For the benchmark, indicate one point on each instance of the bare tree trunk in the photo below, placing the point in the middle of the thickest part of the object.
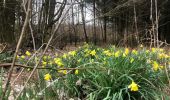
(94, 22)
(83, 20)
(156, 22)
(136, 25)
(153, 26)
(105, 24)
(73, 25)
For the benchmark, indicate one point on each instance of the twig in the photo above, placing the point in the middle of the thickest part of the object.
(3, 47)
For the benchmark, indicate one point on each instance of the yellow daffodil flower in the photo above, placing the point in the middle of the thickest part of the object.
(161, 67)
(133, 86)
(155, 66)
(44, 63)
(64, 56)
(45, 57)
(134, 52)
(76, 72)
(107, 53)
(161, 50)
(47, 77)
(126, 51)
(132, 60)
(117, 54)
(73, 53)
(65, 72)
(28, 53)
(58, 61)
(153, 49)
(93, 52)
(23, 57)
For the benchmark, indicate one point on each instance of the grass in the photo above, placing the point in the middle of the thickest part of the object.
(95, 73)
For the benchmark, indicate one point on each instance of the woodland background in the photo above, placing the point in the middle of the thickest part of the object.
(118, 22)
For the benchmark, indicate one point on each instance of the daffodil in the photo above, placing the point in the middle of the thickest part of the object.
(50, 63)
(58, 61)
(166, 56)
(45, 57)
(47, 77)
(23, 57)
(60, 71)
(134, 52)
(28, 53)
(124, 55)
(155, 66)
(153, 49)
(161, 50)
(132, 60)
(73, 53)
(44, 63)
(65, 72)
(93, 52)
(17, 57)
(126, 51)
(76, 72)
(60, 64)
(64, 56)
(133, 86)
(161, 67)
(107, 53)
(161, 55)
(117, 53)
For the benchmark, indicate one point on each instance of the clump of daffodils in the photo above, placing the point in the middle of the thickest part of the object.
(156, 66)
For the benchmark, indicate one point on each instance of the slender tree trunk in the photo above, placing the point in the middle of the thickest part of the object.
(156, 22)
(94, 22)
(105, 23)
(136, 25)
(83, 20)
(73, 25)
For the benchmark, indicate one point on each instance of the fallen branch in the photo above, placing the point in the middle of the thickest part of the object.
(55, 69)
